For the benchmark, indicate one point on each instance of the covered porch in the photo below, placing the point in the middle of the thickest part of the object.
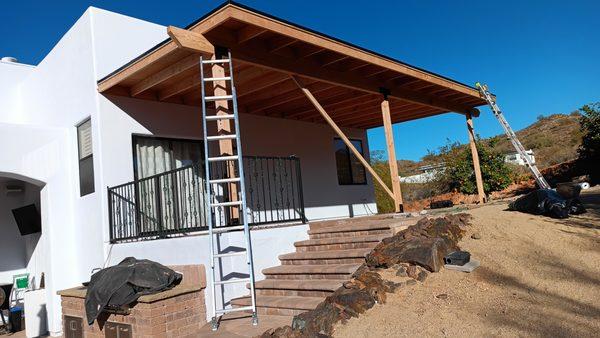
(284, 71)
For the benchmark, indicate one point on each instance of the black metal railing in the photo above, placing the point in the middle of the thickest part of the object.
(172, 204)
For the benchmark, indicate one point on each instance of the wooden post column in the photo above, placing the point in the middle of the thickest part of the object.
(475, 155)
(225, 127)
(391, 150)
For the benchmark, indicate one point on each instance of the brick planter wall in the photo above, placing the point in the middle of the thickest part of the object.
(179, 312)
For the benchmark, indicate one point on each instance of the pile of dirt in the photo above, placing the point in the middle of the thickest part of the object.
(456, 198)
(423, 244)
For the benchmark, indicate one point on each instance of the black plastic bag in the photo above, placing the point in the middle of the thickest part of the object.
(547, 202)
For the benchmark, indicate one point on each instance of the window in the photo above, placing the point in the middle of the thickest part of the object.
(349, 169)
(156, 155)
(86, 158)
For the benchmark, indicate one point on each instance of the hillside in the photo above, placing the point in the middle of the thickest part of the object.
(554, 139)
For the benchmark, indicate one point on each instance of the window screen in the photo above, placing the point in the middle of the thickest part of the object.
(86, 158)
(349, 168)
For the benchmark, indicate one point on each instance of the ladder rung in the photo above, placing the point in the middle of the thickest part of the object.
(231, 281)
(220, 117)
(221, 137)
(225, 180)
(236, 309)
(218, 98)
(222, 158)
(215, 61)
(226, 204)
(222, 78)
(230, 254)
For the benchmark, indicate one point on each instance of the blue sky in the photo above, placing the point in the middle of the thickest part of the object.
(539, 57)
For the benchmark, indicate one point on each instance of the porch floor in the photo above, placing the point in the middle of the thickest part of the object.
(239, 325)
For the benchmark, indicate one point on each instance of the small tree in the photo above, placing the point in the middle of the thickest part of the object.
(589, 151)
(459, 174)
(385, 204)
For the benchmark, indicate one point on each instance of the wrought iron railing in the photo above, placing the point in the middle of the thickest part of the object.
(173, 204)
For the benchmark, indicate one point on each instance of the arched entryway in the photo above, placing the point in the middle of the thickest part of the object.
(21, 236)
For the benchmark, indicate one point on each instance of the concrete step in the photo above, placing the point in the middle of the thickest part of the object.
(313, 271)
(348, 256)
(351, 230)
(301, 288)
(335, 222)
(339, 243)
(279, 305)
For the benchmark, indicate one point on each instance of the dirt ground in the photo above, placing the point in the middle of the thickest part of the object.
(538, 277)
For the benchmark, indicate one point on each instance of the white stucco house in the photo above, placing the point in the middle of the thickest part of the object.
(108, 153)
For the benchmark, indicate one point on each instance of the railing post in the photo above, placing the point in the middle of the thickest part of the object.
(158, 202)
(110, 217)
(300, 190)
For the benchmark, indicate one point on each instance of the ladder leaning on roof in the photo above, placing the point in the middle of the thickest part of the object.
(537, 175)
(212, 183)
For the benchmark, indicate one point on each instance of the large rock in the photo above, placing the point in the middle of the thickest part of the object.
(362, 292)
(425, 244)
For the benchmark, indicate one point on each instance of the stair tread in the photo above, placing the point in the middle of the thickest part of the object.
(341, 240)
(327, 254)
(300, 284)
(312, 269)
(366, 226)
(281, 302)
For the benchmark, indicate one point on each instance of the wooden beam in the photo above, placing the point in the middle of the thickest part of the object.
(341, 134)
(165, 74)
(475, 155)
(280, 42)
(391, 150)
(191, 41)
(248, 33)
(258, 56)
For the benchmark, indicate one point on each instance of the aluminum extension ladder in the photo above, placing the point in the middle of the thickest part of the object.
(212, 183)
(537, 175)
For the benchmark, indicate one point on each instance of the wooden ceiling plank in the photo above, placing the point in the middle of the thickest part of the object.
(249, 32)
(288, 96)
(165, 74)
(279, 43)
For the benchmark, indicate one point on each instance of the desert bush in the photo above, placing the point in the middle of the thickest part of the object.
(589, 151)
(460, 176)
(385, 203)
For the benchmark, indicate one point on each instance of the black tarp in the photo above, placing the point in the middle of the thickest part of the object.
(547, 202)
(124, 283)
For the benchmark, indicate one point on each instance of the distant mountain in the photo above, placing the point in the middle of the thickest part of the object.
(554, 139)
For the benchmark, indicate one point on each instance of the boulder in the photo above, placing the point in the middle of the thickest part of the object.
(424, 244)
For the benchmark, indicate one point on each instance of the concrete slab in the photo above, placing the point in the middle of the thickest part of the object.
(469, 267)
(240, 325)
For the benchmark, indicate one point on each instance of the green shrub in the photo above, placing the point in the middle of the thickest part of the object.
(589, 151)
(460, 175)
(385, 204)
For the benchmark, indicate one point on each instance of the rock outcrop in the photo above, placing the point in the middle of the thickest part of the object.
(423, 244)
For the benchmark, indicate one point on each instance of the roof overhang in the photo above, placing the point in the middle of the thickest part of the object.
(267, 51)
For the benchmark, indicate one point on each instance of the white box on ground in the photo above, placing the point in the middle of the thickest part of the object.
(35, 313)
(468, 267)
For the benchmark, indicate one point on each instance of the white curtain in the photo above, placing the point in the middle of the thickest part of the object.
(181, 194)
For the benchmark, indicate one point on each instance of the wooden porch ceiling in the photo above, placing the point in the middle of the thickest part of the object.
(266, 51)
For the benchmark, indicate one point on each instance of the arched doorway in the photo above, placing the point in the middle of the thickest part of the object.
(21, 251)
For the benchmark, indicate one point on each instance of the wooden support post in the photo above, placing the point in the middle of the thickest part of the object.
(341, 134)
(225, 127)
(475, 155)
(391, 150)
